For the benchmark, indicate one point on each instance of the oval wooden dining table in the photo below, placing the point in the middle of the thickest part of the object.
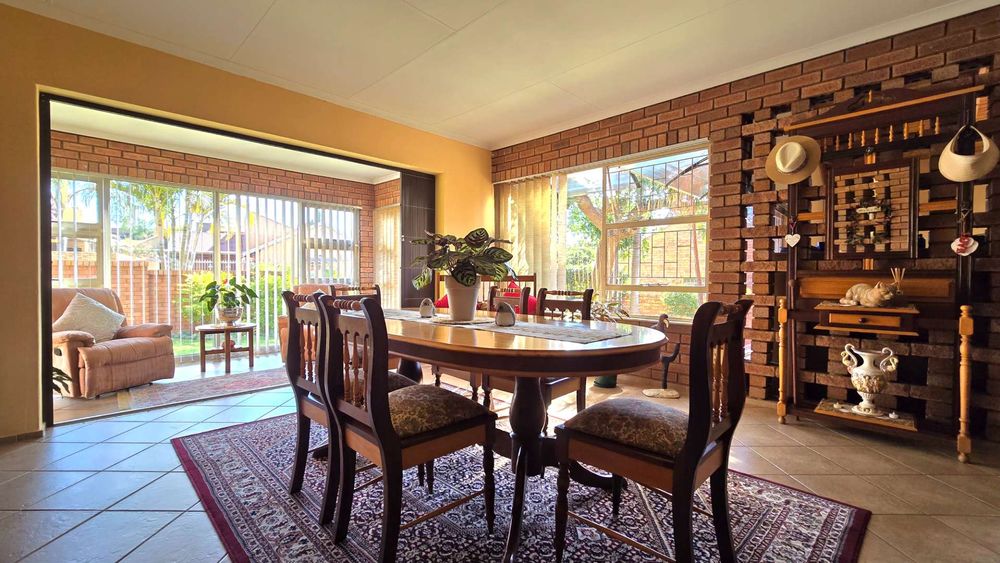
(527, 359)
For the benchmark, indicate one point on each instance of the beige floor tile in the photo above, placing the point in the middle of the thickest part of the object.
(192, 413)
(202, 427)
(96, 457)
(148, 415)
(36, 485)
(931, 496)
(151, 432)
(36, 455)
(8, 475)
(928, 460)
(924, 538)
(184, 539)
(862, 460)
(799, 460)
(172, 491)
(877, 550)
(98, 431)
(812, 434)
(748, 461)
(855, 490)
(158, 457)
(982, 529)
(762, 435)
(240, 414)
(24, 532)
(985, 488)
(97, 492)
(105, 537)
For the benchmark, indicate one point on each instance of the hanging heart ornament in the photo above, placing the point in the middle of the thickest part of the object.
(964, 245)
(792, 239)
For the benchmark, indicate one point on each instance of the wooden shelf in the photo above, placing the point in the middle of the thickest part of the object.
(905, 422)
(887, 332)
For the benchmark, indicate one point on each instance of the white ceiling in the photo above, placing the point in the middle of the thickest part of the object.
(106, 125)
(496, 72)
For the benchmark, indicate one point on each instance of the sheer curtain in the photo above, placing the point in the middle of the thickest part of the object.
(532, 214)
(388, 254)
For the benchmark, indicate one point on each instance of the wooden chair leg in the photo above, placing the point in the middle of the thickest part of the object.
(420, 474)
(562, 509)
(489, 483)
(331, 484)
(720, 514)
(436, 370)
(581, 395)
(301, 454)
(682, 503)
(392, 509)
(345, 493)
(430, 476)
(616, 493)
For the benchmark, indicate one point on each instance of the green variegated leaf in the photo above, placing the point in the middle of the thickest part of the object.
(465, 274)
(424, 279)
(477, 237)
(497, 255)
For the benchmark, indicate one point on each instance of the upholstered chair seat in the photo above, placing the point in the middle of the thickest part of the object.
(423, 408)
(637, 423)
(397, 381)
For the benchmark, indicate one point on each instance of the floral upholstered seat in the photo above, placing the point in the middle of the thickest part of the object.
(416, 409)
(397, 381)
(636, 423)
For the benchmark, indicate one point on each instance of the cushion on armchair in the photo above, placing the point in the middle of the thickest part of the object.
(147, 330)
(87, 315)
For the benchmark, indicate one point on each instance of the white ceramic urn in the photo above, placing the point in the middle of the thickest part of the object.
(868, 371)
(462, 299)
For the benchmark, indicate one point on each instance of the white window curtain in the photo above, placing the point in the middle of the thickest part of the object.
(387, 254)
(532, 215)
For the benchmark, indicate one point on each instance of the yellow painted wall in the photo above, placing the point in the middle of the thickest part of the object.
(40, 54)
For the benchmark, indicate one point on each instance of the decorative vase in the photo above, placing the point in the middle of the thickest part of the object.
(606, 381)
(462, 299)
(869, 376)
(229, 315)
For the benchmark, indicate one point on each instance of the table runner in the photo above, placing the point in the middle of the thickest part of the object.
(564, 331)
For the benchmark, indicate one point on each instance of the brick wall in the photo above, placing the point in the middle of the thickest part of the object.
(387, 193)
(741, 120)
(137, 162)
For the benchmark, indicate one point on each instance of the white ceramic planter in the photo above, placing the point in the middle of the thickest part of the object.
(462, 300)
(869, 376)
(229, 315)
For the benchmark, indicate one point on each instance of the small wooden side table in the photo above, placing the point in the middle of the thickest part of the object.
(228, 344)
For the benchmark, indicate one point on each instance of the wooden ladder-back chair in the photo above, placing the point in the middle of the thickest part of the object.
(358, 292)
(664, 448)
(517, 302)
(312, 404)
(397, 430)
(569, 305)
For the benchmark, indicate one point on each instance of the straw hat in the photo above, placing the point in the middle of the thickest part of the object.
(793, 159)
(963, 167)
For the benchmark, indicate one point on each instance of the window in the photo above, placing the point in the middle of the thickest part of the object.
(635, 231)
(160, 245)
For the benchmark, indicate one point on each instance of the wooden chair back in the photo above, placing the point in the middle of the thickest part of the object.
(301, 364)
(717, 378)
(558, 304)
(354, 349)
(519, 302)
(358, 292)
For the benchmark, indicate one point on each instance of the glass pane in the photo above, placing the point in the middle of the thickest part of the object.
(76, 233)
(330, 245)
(677, 304)
(583, 230)
(661, 188)
(673, 255)
(75, 201)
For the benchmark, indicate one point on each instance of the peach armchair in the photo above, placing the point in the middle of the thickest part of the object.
(137, 354)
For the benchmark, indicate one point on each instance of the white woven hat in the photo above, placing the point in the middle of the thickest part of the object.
(968, 167)
(793, 159)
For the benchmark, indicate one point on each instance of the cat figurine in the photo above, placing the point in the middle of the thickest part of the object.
(866, 295)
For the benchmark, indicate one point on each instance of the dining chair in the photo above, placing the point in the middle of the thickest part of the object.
(557, 304)
(358, 292)
(394, 430)
(518, 301)
(312, 404)
(663, 448)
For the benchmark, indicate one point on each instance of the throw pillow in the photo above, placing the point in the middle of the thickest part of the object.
(87, 315)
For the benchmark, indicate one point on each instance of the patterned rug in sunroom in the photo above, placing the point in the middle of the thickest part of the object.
(241, 473)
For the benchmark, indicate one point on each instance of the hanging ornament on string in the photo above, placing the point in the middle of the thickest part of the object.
(964, 245)
(792, 238)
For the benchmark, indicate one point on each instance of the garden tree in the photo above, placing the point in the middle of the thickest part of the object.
(636, 200)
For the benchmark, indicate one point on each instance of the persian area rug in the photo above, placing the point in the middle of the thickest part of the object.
(241, 475)
(159, 394)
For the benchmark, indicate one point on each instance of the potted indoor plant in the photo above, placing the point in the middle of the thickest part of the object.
(228, 297)
(609, 312)
(465, 259)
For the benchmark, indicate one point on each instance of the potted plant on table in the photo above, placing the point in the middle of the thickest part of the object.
(227, 298)
(465, 259)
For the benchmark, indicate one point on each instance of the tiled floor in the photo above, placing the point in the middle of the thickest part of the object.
(112, 489)
(66, 410)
